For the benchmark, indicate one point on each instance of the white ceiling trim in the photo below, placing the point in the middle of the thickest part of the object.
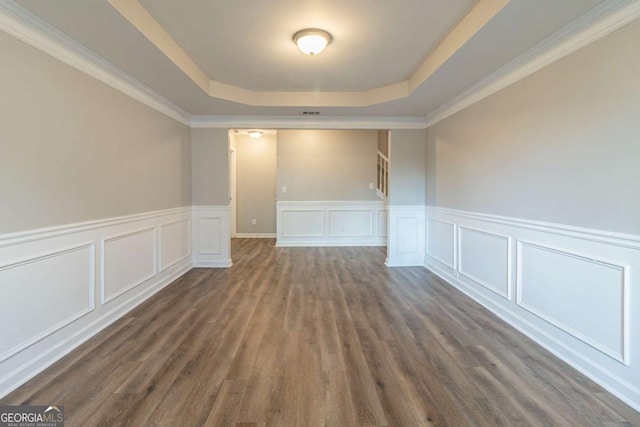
(483, 12)
(297, 122)
(613, 14)
(23, 25)
(594, 25)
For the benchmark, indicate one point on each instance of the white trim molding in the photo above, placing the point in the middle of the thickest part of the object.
(301, 122)
(175, 243)
(256, 235)
(617, 285)
(406, 236)
(146, 257)
(87, 275)
(573, 290)
(42, 267)
(445, 251)
(29, 28)
(331, 223)
(479, 16)
(599, 22)
(211, 229)
(501, 257)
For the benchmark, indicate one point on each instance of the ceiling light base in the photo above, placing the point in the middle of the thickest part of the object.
(312, 41)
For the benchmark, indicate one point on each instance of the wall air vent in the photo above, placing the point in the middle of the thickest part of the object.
(311, 113)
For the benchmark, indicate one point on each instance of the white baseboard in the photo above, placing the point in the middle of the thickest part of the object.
(328, 243)
(256, 235)
(213, 264)
(510, 266)
(403, 261)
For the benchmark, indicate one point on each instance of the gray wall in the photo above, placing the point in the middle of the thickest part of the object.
(73, 149)
(562, 145)
(407, 167)
(256, 183)
(383, 142)
(210, 166)
(327, 165)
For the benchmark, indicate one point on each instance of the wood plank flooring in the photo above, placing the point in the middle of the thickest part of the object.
(310, 337)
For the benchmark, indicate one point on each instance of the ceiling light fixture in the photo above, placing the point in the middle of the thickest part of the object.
(255, 134)
(312, 40)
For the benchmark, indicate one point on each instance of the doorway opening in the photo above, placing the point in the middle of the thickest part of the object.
(252, 192)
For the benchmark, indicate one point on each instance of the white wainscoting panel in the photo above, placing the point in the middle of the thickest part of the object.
(209, 227)
(406, 240)
(211, 236)
(485, 258)
(331, 223)
(406, 236)
(441, 244)
(127, 261)
(61, 285)
(175, 242)
(382, 221)
(580, 295)
(303, 223)
(351, 222)
(575, 291)
(44, 293)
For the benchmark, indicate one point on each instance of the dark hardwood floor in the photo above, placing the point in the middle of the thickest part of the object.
(316, 336)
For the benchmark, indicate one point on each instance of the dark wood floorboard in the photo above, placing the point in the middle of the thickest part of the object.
(316, 336)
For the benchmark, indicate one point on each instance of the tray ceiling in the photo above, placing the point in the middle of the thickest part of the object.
(236, 58)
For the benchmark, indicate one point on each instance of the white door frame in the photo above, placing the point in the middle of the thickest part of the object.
(232, 184)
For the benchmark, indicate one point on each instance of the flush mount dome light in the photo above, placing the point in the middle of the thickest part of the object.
(312, 40)
(255, 134)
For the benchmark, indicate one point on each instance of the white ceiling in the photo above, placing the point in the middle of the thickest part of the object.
(248, 44)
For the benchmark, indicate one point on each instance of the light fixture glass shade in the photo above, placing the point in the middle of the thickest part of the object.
(312, 41)
(255, 134)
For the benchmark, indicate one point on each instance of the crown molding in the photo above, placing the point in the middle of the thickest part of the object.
(602, 20)
(480, 15)
(297, 122)
(592, 26)
(25, 26)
